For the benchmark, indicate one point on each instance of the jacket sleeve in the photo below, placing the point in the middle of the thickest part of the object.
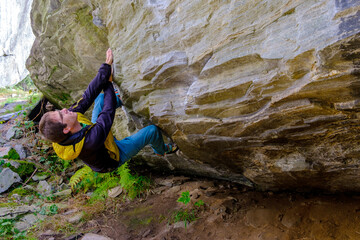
(93, 90)
(97, 135)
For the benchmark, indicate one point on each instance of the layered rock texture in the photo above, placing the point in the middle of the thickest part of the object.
(268, 90)
(16, 39)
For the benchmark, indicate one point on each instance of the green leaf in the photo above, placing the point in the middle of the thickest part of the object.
(184, 198)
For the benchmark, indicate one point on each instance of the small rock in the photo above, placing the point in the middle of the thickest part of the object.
(114, 192)
(70, 212)
(2, 141)
(89, 194)
(7, 117)
(12, 163)
(76, 218)
(180, 224)
(12, 212)
(64, 193)
(4, 151)
(16, 197)
(44, 188)
(28, 187)
(39, 177)
(62, 186)
(48, 233)
(7, 179)
(10, 133)
(164, 182)
(92, 236)
(27, 221)
(21, 151)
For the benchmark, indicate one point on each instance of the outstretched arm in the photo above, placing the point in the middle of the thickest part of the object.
(95, 86)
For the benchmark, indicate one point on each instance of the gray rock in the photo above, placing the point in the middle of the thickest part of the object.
(28, 221)
(10, 134)
(64, 193)
(114, 192)
(7, 117)
(4, 151)
(12, 212)
(92, 236)
(266, 94)
(7, 179)
(76, 218)
(16, 197)
(15, 164)
(28, 187)
(44, 188)
(2, 141)
(21, 151)
(38, 177)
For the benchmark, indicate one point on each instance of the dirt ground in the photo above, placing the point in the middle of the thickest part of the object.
(230, 212)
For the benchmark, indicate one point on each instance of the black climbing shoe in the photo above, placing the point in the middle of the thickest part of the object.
(171, 148)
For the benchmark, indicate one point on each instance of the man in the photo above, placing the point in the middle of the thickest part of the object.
(73, 135)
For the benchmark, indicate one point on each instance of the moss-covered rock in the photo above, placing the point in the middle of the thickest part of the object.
(24, 169)
(21, 192)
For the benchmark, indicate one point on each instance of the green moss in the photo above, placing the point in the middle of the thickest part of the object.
(8, 204)
(291, 11)
(25, 169)
(93, 33)
(12, 155)
(21, 191)
(42, 174)
(53, 70)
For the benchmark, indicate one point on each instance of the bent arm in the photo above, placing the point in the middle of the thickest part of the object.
(99, 132)
(93, 90)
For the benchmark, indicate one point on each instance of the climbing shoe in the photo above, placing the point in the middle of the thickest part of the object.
(117, 92)
(171, 148)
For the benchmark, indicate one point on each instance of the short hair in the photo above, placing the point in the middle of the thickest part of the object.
(52, 130)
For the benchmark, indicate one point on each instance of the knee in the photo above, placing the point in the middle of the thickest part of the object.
(153, 130)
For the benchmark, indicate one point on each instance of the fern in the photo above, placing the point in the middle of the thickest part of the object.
(126, 179)
(101, 192)
(132, 184)
(78, 176)
(85, 179)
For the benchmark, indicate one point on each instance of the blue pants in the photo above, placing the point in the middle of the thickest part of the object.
(130, 146)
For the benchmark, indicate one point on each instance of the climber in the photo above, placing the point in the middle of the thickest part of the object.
(73, 135)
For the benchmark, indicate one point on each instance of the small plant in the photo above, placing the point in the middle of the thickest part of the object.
(53, 162)
(184, 198)
(186, 215)
(8, 230)
(49, 211)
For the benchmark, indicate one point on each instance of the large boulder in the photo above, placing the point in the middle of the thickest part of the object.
(264, 89)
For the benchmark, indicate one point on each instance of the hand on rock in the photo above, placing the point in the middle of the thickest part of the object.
(109, 57)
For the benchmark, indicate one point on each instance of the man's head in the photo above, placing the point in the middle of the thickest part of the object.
(56, 126)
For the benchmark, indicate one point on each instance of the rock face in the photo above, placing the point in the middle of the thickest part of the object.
(16, 39)
(268, 90)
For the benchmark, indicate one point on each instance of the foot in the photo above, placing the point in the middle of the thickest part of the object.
(117, 92)
(171, 148)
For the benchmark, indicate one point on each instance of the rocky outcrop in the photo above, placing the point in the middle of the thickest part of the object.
(262, 89)
(16, 39)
